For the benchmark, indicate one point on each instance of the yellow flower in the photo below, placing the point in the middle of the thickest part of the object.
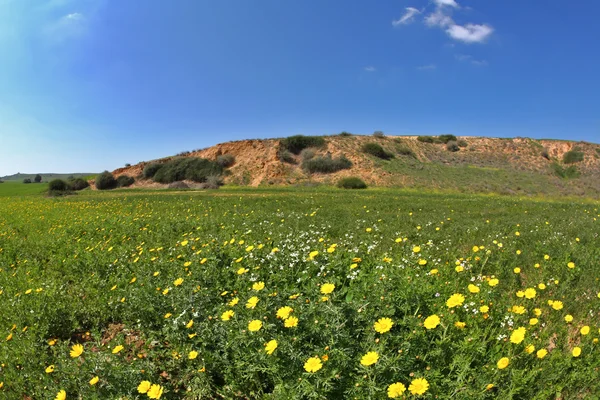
(312, 255)
(475, 249)
(284, 312)
(226, 316)
(168, 315)
(518, 335)
(576, 351)
(533, 321)
(233, 302)
(434, 271)
(542, 286)
(493, 282)
(537, 311)
(542, 353)
(520, 293)
(503, 363)
(459, 268)
(416, 249)
(270, 346)
(489, 386)
(290, 322)
(383, 325)
(530, 349)
(242, 271)
(418, 386)
(568, 318)
(517, 270)
(258, 286)
(254, 325)
(396, 390)
(50, 369)
(518, 310)
(431, 322)
(369, 359)
(484, 309)
(313, 364)
(155, 392)
(184, 243)
(585, 330)
(117, 349)
(178, 282)
(460, 325)
(192, 355)
(530, 293)
(473, 288)
(51, 342)
(143, 387)
(252, 302)
(455, 300)
(190, 324)
(76, 350)
(327, 288)
(571, 265)
(62, 395)
(557, 305)
(94, 380)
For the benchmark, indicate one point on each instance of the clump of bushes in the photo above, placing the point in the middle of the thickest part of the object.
(212, 182)
(58, 185)
(286, 156)
(150, 170)
(565, 173)
(446, 138)
(26, 180)
(125, 181)
(452, 146)
(295, 144)
(462, 143)
(376, 150)
(326, 164)
(573, 156)
(190, 168)
(345, 134)
(351, 183)
(106, 181)
(38, 178)
(78, 184)
(426, 139)
(307, 154)
(378, 134)
(226, 160)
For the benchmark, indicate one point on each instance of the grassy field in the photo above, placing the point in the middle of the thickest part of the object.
(12, 188)
(298, 294)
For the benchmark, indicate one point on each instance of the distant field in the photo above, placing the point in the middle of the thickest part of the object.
(12, 188)
(298, 294)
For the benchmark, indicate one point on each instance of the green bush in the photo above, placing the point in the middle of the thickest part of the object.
(378, 134)
(286, 156)
(151, 169)
(572, 157)
(405, 151)
(351, 183)
(125, 181)
(78, 184)
(38, 178)
(326, 164)
(26, 180)
(295, 144)
(190, 168)
(58, 185)
(452, 146)
(447, 138)
(426, 139)
(226, 160)
(345, 134)
(462, 143)
(566, 173)
(307, 154)
(376, 150)
(106, 181)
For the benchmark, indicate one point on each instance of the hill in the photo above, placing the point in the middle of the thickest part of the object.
(467, 164)
(45, 176)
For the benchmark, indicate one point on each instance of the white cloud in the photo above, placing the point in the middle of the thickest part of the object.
(470, 33)
(470, 59)
(439, 18)
(370, 68)
(408, 16)
(68, 26)
(449, 3)
(428, 67)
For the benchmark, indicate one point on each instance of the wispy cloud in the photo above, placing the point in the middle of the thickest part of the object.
(468, 58)
(370, 68)
(408, 16)
(449, 3)
(439, 18)
(428, 67)
(68, 26)
(470, 33)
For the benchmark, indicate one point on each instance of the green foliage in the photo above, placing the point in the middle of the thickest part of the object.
(569, 172)
(462, 143)
(345, 134)
(78, 184)
(426, 139)
(226, 160)
(26, 180)
(307, 154)
(190, 168)
(351, 183)
(295, 144)
(326, 164)
(58, 185)
(452, 146)
(378, 134)
(573, 156)
(405, 151)
(376, 150)
(106, 181)
(151, 169)
(38, 178)
(286, 156)
(446, 138)
(125, 181)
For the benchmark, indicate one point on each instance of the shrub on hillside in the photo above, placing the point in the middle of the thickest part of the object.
(307, 154)
(345, 134)
(78, 184)
(286, 156)
(452, 146)
(565, 173)
(545, 154)
(426, 139)
(26, 180)
(462, 143)
(190, 168)
(38, 178)
(106, 181)
(150, 170)
(326, 164)
(378, 134)
(447, 138)
(572, 157)
(226, 160)
(58, 185)
(405, 151)
(351, 183)
(295, 144)
(376, 150)
(125, 181)
(212, 182)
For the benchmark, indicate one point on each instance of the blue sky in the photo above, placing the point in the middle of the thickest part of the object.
(88, 85)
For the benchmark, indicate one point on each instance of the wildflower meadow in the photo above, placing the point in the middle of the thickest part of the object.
(298, 294)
